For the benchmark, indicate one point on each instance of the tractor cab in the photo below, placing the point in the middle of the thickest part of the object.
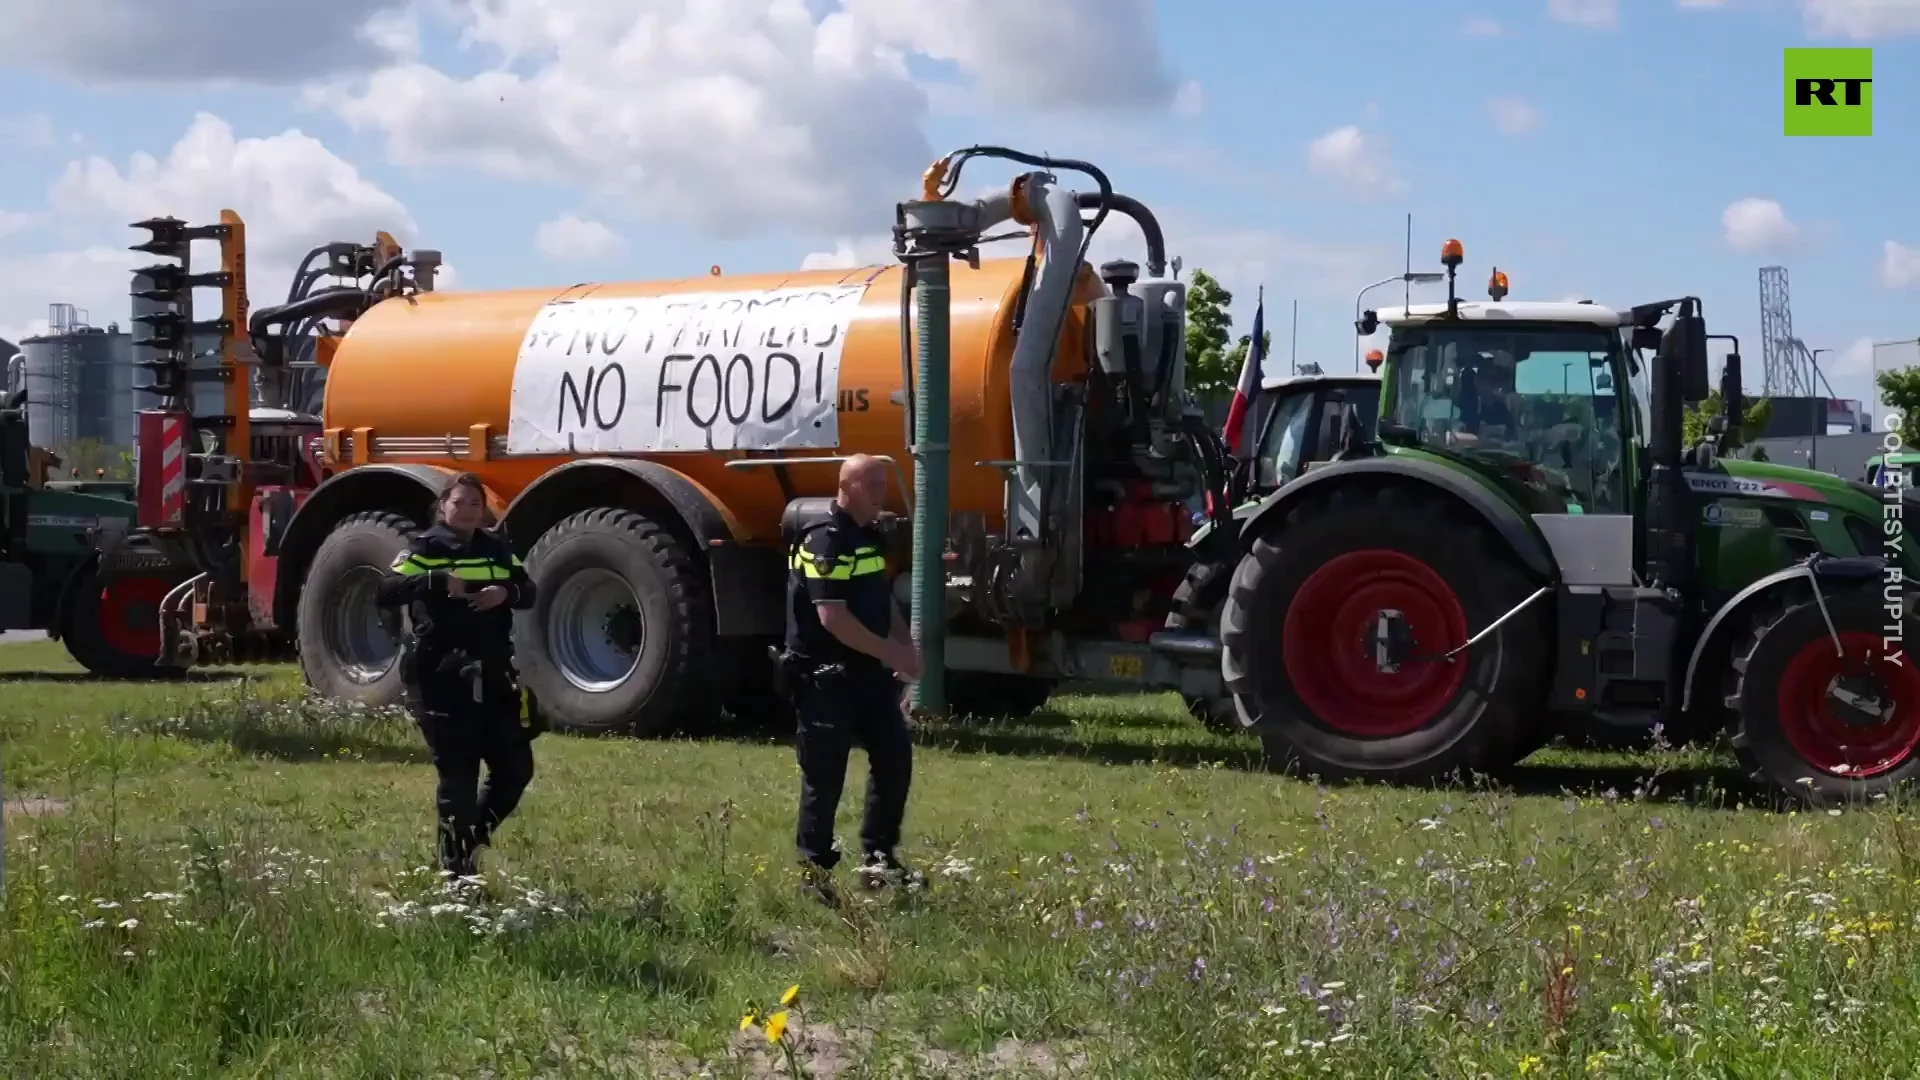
(1546, 399)
(1302, 421)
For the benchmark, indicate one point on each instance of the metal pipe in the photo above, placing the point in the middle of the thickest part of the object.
(1056, 213)
(1143, 217)
(931, 391)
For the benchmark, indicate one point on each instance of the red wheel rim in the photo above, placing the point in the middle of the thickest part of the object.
(130, 616)
(1328, 643)
(1831, 736)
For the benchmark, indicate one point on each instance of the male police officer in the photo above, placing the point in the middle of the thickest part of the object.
(845, 642)
(459, 584)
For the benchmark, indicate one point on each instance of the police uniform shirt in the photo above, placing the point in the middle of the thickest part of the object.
(839, 561)
(437, 554)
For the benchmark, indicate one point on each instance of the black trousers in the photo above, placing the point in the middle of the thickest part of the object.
(462, 736)
(859, 708)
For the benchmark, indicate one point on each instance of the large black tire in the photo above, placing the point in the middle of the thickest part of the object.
(985, 695)
(1195, 608)
(1790, 733)
(112, 627)
(1315, 699)
(349, 648)
(647, 666)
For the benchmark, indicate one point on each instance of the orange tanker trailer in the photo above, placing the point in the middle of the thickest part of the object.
(643, 443)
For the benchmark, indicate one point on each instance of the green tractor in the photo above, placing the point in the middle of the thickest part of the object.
(67, 565)
(1526, 545)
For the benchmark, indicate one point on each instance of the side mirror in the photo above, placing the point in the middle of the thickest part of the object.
(1604, 382)
(1647, 338)
(1684, 346)
(1730, 395)
(1367, 323)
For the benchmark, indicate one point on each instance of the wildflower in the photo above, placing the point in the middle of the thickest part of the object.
(1529, 1065)
(776, 1026)
(792, 995)
(747, 1021)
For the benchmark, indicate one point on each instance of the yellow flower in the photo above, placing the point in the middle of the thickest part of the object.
(776, 1026)
(747, 1021)
(792, 995)
(1529, 1064)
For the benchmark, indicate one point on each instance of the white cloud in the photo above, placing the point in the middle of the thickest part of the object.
(739, 116)
(572, 239)
(1351, 157)
(198, 41)
(1703, 3)
(1592, 14)
(15, 221)
(1851, 362)
(1482, 26)
(93, 279)
(1512, 115)
(1860, 20)
(1758, 226)
(32, 130)
(1899, 266)
(291, 190)
(1190, 99)
(1090, 53)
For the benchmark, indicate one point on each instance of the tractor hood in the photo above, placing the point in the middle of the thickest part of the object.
(67, 523)
(1764, 479)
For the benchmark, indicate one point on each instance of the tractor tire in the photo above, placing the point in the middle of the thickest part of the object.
(1303, 606)
(1792, 733)
(112, 627)
(620, 637)
(1195, 609)
(1216, 714)
(349, 646)
(988, 695)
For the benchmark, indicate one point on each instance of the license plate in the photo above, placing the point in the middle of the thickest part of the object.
(1127, 667)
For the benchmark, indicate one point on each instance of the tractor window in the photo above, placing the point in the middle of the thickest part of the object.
(1535, 402)
(1286, 431)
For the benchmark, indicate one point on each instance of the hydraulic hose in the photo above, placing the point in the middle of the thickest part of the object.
(327, 303)
(908, 396)
(1143, 217)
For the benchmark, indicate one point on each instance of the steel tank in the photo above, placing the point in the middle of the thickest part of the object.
(79, 382)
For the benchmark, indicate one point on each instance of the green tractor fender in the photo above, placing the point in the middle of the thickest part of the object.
(1733, 614)
(1513, 527)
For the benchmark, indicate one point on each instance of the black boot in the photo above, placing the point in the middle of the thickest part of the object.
(816, 883)
(881, 869)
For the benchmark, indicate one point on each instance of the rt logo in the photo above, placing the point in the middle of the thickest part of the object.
(1829, 91)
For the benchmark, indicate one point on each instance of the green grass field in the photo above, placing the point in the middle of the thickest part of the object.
(215, 879)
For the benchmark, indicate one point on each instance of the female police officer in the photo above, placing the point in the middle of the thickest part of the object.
(458, 583)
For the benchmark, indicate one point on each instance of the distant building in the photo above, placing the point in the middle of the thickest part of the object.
(79, 381)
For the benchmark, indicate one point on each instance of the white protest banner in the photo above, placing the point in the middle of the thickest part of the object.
(688, 371)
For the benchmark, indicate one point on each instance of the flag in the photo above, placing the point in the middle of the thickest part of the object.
(1248, 387)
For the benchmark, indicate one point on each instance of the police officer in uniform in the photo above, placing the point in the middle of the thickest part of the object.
(459, 583)
(846, 641)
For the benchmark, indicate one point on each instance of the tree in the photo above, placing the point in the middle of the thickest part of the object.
(87, 455)
(1753, 425)
(1900, 388)
(1209, 335)
(1237, 355)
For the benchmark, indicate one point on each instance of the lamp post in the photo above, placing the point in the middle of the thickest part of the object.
(1410, 277)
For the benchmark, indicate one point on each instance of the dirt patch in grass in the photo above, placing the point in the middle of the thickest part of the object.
(34, 806)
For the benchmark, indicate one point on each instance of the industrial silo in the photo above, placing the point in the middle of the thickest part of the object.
(79, 381)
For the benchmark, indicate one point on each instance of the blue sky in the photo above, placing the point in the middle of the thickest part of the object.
(1587, 149)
